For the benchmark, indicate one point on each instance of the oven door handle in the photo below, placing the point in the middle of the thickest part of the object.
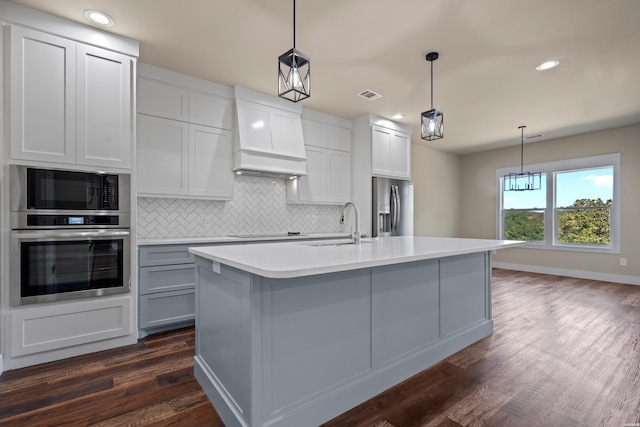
(46, 234)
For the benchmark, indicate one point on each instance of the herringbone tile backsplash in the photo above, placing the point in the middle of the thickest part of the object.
(259, 207)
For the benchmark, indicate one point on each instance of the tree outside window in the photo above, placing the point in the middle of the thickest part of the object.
(586, 220)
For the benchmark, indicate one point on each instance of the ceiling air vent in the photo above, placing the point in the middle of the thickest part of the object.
(370, 95)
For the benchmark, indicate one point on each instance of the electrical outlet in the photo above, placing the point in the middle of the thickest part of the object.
(623, 261)
(342, 219)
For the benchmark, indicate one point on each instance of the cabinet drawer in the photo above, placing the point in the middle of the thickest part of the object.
(164, 255)
(167, 278)
(167, 308)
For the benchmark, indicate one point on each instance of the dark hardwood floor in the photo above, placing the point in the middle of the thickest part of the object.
(564, 352)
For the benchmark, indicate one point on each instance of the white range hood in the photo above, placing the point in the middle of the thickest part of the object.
(269, 137)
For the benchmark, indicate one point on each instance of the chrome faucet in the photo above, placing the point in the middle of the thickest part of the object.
(355, 236)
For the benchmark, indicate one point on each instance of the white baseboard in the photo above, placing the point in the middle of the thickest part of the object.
(580, 274)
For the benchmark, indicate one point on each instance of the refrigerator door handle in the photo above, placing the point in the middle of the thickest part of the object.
(392, 210)
(398, 205)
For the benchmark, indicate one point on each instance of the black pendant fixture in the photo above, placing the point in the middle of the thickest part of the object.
(523, 181)
(294, 71)
(432, 122)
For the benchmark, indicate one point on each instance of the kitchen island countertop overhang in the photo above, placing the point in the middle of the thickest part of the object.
(288, 260)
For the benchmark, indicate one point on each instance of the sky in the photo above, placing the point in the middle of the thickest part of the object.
(573, 185)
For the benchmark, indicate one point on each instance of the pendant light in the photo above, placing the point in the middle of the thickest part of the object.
(294, 71)
(432, 122)
(523, 181)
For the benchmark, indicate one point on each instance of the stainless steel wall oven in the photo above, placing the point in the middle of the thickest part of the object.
(70, 234)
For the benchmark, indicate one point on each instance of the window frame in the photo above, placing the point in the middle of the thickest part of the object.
(551, 169)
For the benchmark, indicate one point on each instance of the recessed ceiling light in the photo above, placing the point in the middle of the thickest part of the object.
(397, 116)
(547, 65)
(98, 17)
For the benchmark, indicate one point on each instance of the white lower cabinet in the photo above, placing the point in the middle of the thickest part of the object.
(41, 329)
(178, 159)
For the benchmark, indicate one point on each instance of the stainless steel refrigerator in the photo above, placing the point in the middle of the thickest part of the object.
(392, 207)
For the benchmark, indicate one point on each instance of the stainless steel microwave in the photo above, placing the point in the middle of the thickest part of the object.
(49, 190)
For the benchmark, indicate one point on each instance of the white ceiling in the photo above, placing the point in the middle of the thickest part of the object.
(485, 79)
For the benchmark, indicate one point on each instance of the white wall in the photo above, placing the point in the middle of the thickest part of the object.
(478, 202)
(436, 180)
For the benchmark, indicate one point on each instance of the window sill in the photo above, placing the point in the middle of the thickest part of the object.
(571, 248)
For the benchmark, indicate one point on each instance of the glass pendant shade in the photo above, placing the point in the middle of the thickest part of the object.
(294, 76)
(432, 125)
(523, 181)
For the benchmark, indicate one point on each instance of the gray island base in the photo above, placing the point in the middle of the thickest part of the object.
(295, 334)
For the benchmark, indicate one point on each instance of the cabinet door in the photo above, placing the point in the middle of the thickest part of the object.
(43, 96)
(313, 187)
(210, 162)
(210, 110)
(390, 154)
(162, 100)
(400, 155)
(163, 156)
(314, 133)
(338, 138)
(380, 147)
(339, 176)
(103, 108)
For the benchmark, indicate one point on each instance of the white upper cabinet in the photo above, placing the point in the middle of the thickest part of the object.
(328, 147)
(210, 162)
(163, 156)
(209, 110)
(70, 102)
(103, 108)
(184, 137)
(390, 153)
(163, 100)
(42, 94)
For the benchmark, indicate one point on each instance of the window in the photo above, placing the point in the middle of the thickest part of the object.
(523, 214)
(576, 208)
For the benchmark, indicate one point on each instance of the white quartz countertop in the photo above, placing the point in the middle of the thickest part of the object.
(297, 259)
(237, 238)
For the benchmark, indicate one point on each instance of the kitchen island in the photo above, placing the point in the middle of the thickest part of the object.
(295, 334)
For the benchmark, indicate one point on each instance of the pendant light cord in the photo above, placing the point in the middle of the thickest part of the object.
(294, 24)
(522, 149)
(432, 86)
